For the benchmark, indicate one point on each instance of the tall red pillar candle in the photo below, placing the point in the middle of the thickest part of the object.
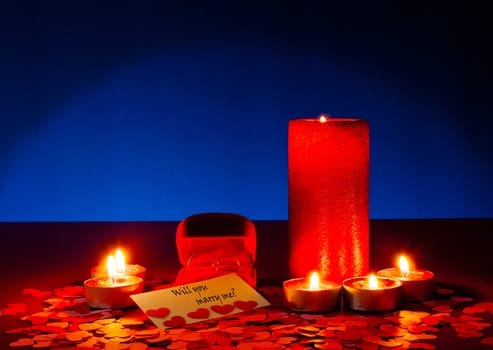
(328, 174)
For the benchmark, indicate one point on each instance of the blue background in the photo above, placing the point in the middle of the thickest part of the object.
(159, 110)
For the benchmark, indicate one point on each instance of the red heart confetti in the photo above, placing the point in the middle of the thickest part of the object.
(70, 291)
(443, 308)
(245, 305)
(488, 306)
(199, 313)
(14, 309)
(67, 323)
(460, 299)
(162, 312)
(22, 342)
(223, 309)
(487, 341)
(36, 292)
(81, 308)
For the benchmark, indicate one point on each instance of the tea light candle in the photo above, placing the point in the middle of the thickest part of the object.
(311, 294)
(122, 268)
(372, 293)
(417, 284)
(112, 291)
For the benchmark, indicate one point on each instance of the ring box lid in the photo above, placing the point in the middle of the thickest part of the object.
(216, 234)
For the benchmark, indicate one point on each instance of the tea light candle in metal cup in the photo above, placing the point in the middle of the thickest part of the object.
(112, 291)
(417, 284)
(372, 293)
(311, 294)
(102, 294)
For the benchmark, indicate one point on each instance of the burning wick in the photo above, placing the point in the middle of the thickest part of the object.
(372, 282)
(314, 281)
(323, 119)
(404, 266)
(111, 266)
(120, 263)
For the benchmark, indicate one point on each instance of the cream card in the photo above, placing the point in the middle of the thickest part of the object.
(189, 303)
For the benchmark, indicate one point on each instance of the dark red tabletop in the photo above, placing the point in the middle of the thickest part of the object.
(49, 255)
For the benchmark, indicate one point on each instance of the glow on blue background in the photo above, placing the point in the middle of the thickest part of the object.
(146, 115)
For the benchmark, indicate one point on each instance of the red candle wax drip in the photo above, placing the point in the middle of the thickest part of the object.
(328, 168)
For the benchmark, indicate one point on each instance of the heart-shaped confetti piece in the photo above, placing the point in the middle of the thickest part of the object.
(89, 343)
(138, 346)
(175, 321)
(162, 312)
(161, 337)
(245, 305)
(442, 308)
(77, 336)
(191, 337)
(488, 306)
(460, 299)
(89, 326)
(261, 336)
(42, 344)
(223, 309)
(177, 345)
(44, 337)
(147, 333)
(199, 313)
(487, 341)
(22, 342)
(130, 322)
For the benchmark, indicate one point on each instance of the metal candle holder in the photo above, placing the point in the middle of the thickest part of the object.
(357, 296)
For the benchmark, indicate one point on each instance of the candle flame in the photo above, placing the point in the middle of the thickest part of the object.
(372, 282)
(314, 280)
(404, 266)
(323, 118)
(120, 262)
(111, 266)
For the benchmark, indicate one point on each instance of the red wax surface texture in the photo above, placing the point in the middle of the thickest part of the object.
(328, 175)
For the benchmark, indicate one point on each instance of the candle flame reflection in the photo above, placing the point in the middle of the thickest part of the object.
(404, 266)
(314, 281)
(372, 282)
(120, 262)
(111, 266)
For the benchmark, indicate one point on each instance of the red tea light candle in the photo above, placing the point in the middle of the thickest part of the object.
(417, 284)
(328, 172)
(112, 291)
(372, 293)
(311, 294)
(121, 268)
